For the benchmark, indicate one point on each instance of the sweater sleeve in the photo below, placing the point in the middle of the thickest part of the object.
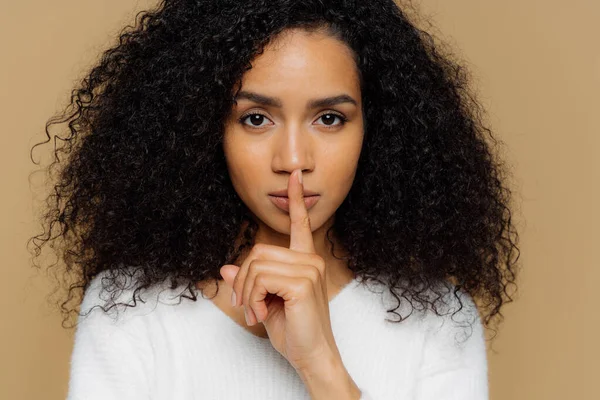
(110, 360)
(454, 361)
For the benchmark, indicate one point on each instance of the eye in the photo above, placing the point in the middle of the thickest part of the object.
(256, 118)
(330, 117)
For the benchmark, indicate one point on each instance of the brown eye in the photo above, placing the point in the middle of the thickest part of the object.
(329, 119)
(255, 120)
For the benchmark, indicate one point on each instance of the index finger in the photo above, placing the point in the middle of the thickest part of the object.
(301, 238)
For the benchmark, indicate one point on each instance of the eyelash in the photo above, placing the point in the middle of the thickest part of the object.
(340, 116)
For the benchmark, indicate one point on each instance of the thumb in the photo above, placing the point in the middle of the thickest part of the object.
(229, 272)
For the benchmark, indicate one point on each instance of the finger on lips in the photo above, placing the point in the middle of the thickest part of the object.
(300, 233)
(301, 241)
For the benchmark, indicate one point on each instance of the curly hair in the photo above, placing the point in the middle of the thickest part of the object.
(142, 184)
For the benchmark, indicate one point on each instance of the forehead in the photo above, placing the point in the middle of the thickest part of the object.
(299, 61)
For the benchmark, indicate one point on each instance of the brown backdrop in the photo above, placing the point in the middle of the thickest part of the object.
(537, 66)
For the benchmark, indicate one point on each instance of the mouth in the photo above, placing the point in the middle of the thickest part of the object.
(283, 202)
(284, 193)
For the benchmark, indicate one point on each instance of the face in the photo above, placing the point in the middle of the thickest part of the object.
(299, 107)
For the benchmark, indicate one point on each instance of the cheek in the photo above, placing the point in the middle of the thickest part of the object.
(243, 165)
(341, 164)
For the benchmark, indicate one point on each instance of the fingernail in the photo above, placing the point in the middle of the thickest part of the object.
(300, 176)
(246, 315)
(233, 299)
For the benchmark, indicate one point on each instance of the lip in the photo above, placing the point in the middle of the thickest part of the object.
(284, 193)
(283, 203)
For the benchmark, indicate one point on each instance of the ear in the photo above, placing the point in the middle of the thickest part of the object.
(229, 272)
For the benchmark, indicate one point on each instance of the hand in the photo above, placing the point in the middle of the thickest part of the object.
(286, 290)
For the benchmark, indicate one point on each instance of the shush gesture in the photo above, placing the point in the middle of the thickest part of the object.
(286, 290)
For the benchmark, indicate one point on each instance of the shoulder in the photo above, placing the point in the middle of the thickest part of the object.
(453, 355)
(116, 295)
(454, 334)
(453, 310)
(112, 352)
(441, 312)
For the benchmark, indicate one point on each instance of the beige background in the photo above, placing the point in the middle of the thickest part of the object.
(537, 66)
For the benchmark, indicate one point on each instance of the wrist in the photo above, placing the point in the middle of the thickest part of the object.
(329, 379)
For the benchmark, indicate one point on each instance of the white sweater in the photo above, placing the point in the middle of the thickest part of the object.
(192, 350)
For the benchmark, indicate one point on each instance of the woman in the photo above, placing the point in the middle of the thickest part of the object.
(308, 167)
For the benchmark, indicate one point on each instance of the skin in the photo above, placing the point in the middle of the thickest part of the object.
(262, 151)
(285, 288)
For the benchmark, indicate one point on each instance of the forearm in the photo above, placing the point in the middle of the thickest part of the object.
(330, 380)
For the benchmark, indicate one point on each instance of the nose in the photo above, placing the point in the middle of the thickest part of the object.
(293, 150)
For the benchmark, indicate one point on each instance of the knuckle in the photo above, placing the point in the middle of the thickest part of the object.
(254, 264)
(258, 247)
(260, 279)
(319, 262)
(314, 274)
(307, 285)
(258, 250)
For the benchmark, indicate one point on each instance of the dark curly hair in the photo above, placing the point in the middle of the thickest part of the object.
(141, 179)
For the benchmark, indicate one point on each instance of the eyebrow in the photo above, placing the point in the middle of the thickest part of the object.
(276, 102)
